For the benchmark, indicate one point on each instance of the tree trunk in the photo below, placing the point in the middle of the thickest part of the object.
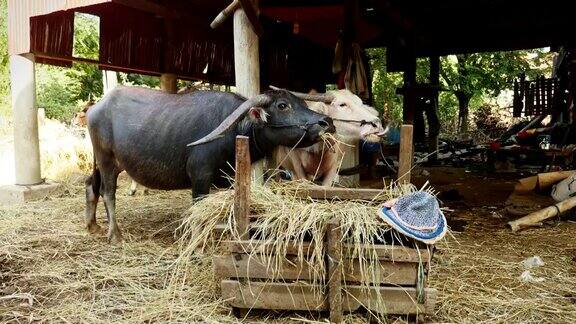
(463, 103)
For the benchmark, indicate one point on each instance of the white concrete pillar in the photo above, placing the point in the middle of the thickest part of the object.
(26, 143)
(169, 82)
(247, 66)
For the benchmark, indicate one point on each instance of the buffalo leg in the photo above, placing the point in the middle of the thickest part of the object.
(109, 178)
(201, 182)
(92, 195)
(299, 173)
(330, 162)
(133, 187)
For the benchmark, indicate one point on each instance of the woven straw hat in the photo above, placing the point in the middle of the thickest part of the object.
(416, 215)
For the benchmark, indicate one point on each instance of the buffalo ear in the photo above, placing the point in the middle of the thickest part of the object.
(258, 115)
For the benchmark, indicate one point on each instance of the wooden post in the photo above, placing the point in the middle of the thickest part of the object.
(334, 234)
(247, 66)
(242, 187)
(409, 100)
(406, 154)
(169, 83)
(434, 81)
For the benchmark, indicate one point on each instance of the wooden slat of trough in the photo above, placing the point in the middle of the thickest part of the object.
(398, 273)
(298, 296)
(245, 266)
(339, 193)
(384, 252)
(335, 270)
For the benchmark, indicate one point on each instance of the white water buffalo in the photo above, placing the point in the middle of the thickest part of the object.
(170, 141)
(353, 121)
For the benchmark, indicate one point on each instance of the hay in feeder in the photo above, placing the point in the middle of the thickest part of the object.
(51, 270)
(286, 220)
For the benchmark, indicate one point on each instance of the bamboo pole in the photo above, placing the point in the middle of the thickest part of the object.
(535, 218)
(242, 187)
(548, 179)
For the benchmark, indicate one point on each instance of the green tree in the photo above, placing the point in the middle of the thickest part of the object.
(88, 77)
(62, 91)
(469, 76)
(471, 80)
(4, 79)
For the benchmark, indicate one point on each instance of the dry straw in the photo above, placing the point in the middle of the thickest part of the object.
(52, 271)
(286, 220)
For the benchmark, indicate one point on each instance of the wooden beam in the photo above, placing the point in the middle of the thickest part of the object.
(224, 14)
(299, 296)
(406, 154)
(317, 192)
(393, 253)
(242, 187)
(150, 7)
(246, 266)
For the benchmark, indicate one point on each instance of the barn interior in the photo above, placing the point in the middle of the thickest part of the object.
(296, 43)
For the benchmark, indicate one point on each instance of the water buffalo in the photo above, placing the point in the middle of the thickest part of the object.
(353, 120)
(170, 141)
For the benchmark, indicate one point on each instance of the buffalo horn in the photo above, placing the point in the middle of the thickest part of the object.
(259, 100)
(320, 97)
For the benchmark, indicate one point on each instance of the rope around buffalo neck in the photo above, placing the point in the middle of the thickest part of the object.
(361, 122)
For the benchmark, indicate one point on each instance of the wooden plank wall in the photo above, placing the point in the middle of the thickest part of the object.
(20, 11)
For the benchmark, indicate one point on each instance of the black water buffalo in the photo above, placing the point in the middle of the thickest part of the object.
(166, 141)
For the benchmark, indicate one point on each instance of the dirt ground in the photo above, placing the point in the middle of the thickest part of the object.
(52, 271)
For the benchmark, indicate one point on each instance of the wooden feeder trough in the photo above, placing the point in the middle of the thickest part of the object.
(248, 284)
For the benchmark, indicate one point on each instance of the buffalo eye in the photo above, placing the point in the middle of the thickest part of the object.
(282, 106)
(343, 105)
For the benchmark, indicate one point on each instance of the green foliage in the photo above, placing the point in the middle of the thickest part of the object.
(490, 73)
(87, 82)
(63, 91)
(384, 86)
(4, 79)
(139, 79)
(53, 92)
(478, 77)
(88, 77)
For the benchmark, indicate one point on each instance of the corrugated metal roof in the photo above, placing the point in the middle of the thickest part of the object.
(20, 11)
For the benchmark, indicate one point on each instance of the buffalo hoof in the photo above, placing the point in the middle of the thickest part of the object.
(115, 239)
(95, 229)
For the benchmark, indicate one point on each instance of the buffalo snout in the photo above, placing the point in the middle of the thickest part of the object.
(327, 124)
